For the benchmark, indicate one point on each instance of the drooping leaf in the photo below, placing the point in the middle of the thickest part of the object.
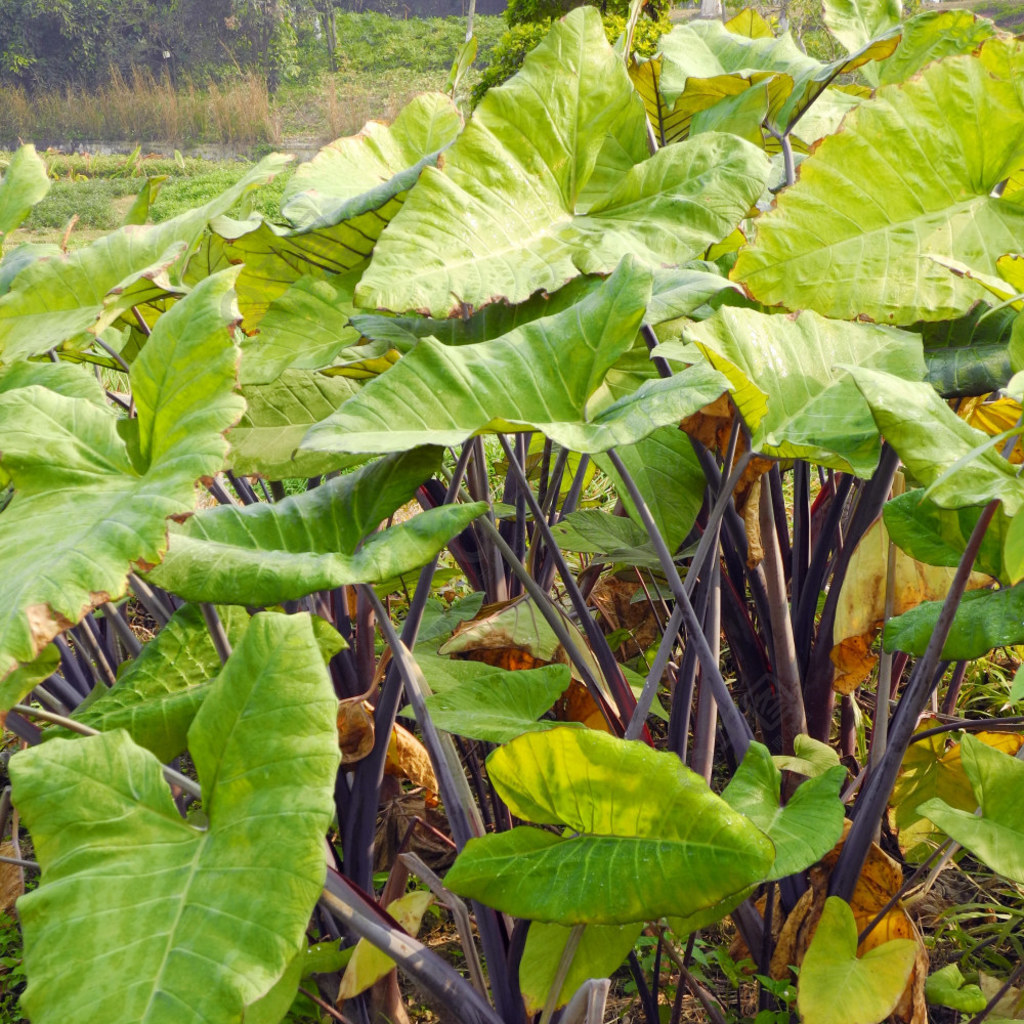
(931, 771)
(515, 209)
(931, 440)
(938, 536)
(640, 826)
(25, 677)
(267, 553)
(984, 620)
(838, 987)
(494, 704)
(157, 695)
(55, 567)
(788, 380)
(518, 629)
(996, 837)
(803, 830)
(132, 924)
(601, 950)
(971, 354)
(385, 158)
(849, 238)
(25, 182)
(542, 375)
(276, 419)
(612, 538)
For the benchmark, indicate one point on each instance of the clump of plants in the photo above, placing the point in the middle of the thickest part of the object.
(308, 626)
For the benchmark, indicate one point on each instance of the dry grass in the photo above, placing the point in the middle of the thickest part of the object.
(142, 107)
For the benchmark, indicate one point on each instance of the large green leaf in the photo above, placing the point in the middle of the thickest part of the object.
(514, 207)
(158, 694)
(59, 298)
(849, 239)
(386, 158)
(267, 553)
(276, 420)
(787, 380)
(938, 536)
(984, 619)
(806, 828)
(541, 376)
(931, 440)
(138, 912)
(838, 987)
(644, 838)
(996, 838)
(25, 182)
(88, 507)
(930, 36)
(704, 55)
(601, 950)
(495, 704)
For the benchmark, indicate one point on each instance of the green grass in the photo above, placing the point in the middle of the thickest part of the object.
(12, 977)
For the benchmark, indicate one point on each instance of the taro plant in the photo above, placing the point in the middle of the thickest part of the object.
(766, 298)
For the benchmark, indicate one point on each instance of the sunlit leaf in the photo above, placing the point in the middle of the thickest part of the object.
(849, 238)
(838, 987)
(636, 819)
(113, 847)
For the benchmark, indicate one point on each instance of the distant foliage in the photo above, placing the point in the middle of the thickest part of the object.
(524, 34)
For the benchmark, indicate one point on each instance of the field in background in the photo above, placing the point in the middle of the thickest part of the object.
(382, 62)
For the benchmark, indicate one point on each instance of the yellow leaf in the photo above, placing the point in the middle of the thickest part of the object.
(369, 964)
(861, 607)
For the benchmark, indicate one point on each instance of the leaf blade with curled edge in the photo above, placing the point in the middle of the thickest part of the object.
(381, 159)
(55, 568)
(174, 898)
(955, 462)
(320, 539)
(56, 299)
(848, 239)
(838, 987)
(806, 828)
(632, 815)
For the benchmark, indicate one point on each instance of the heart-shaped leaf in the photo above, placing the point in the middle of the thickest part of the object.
(803, 830)
(838, 987)
(997, 837)
(849, 239)
(136, 907)
(639, 827)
